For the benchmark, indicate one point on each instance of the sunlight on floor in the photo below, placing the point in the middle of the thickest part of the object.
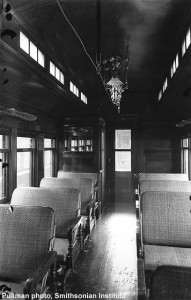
(121, 255)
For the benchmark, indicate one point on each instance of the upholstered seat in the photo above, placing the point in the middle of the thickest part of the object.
(26, 238)
(85, 186)
(164, 185)
(89, 175)
(171, 283)
(166, 228)
(66, 205)
(162, 176)
(155, 256)
(75, 174)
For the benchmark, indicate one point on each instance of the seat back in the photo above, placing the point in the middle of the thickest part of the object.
(25, 236)
(164, 185)
(166, 218)
(84, 185)
(74, 174)
(65, 203)
(162, 176)
(170, 282)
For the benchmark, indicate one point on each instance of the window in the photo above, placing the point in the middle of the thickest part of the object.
(188, 38)
(24, 43)
(160, 96)
(186, 43)
(25, 161)
(174, 65)
(56, 72)
(33, 51)
(185, 157)
(84, 98)
(123, 150)
(49, 157)
(4, 158)
(30, 48)
(165, 85)
(74, 89)
(183, 48)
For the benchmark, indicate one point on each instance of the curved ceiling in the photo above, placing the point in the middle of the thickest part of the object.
(148, 31)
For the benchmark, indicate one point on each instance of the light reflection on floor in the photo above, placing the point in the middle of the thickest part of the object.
(121, 245)
(110, 263)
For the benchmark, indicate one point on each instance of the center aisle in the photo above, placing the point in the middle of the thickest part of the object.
(108, 267)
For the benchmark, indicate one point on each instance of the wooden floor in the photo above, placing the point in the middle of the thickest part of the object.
(108, 267)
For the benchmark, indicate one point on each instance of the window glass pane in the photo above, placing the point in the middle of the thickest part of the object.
(49, 143)
(123, 161)
(57, 73)
(48, 163)
(25, 142)
(160, 96)
(62, 78)
(171, 72)
(183, 48)
(24, 171)
(185, 142)
(24, 42)
(188, 39)
(52, 68)
(33, 51)
(3, 141)
(1, 176)
(40, 58)
(71, 87)
(122, 139)
(185, 161)
(177, 61)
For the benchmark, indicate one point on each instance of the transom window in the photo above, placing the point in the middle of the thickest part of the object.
(56, 72)
(74, 89)
(30, 48)
(84, 98)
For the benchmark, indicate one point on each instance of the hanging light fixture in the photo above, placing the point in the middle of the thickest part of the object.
(114, 68)
(115, 86)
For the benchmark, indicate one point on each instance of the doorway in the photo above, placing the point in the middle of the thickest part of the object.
(122, 165)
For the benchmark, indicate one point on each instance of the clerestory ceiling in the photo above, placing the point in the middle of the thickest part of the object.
(149, 32)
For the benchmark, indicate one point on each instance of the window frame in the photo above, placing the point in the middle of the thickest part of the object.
(185, 149)
(53, 149)
(31, 44)
(5, 159)
(118, 150)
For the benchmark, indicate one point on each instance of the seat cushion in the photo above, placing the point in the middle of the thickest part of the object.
(156, 256)
(61, 247)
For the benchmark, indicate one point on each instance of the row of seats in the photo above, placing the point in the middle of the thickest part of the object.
(73, 203)
(165, 231)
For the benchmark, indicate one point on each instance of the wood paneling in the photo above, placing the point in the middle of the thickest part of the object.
(159, 150)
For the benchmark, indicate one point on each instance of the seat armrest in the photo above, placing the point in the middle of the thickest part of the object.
(90, 207)
(95, 188)
(141, 279)
(73, 230)
(48, 261)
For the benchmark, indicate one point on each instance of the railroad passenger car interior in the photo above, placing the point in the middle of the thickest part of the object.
(95, 149)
